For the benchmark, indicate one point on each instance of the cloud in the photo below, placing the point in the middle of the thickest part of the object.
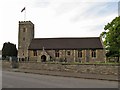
(73, 18)
(119, 8)
(94, 10)
(66, 7)
(56, 18)
(41, 3)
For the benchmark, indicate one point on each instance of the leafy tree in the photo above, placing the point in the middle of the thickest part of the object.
(112, 38)
(9, 49)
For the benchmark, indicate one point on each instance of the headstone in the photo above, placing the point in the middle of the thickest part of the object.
(15, 63)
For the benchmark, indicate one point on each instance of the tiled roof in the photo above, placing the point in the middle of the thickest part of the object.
(66, 43)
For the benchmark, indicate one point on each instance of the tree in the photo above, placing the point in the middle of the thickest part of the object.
(112, 38)
(9, 49)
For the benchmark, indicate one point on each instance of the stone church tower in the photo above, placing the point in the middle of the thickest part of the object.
(25, 35)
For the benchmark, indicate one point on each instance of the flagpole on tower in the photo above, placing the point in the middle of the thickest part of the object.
(24, 10)
(25, 15)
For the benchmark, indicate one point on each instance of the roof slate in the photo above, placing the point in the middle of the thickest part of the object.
(66, 43)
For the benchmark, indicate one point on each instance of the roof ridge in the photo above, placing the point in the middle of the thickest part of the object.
(68, 38)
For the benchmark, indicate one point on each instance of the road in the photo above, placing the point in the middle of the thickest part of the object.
(25, 80)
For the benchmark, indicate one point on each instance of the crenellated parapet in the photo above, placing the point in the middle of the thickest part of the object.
(26, 22)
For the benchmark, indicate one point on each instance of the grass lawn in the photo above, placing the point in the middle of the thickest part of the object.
(86, 63)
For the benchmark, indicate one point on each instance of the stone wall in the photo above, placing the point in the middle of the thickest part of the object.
(73, 57)
(6, 64)
(104, 69)
(25, 36)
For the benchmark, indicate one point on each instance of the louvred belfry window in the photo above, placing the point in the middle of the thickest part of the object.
(24, 29)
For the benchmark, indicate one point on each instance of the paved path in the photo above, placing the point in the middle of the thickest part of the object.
(25, 80)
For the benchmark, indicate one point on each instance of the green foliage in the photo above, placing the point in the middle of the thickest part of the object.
(9, 49)
(112, 37)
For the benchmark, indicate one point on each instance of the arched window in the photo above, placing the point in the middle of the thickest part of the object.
(80, 53)
(68, 52)
(56, 53)
(24, 29)
(34, 52)
(93, 53)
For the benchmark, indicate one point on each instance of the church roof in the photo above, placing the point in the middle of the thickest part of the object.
(66, 43)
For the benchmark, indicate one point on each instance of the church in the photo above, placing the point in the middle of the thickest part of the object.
(80, 49)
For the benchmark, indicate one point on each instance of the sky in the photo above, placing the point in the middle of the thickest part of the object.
(56, 18)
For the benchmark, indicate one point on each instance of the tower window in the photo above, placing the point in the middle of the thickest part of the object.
(24, 29)
(93, 53)
(24, 39)
(23, 53)
(80, 53)
(56, 53)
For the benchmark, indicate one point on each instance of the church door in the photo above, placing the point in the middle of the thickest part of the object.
(43, 58)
